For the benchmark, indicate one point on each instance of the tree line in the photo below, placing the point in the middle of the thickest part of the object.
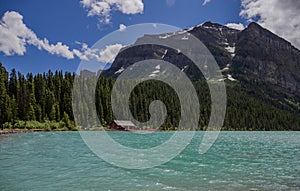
(45, 101)
(27, 100)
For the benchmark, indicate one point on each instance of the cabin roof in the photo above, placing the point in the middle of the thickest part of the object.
(124, 123)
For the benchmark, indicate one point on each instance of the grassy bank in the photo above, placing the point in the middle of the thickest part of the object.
(35, 125)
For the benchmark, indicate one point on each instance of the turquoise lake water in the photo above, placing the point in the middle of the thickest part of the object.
(237, 161)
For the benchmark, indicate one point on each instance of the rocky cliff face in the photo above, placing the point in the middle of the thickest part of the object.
(220, 40)
(254, 54)
(261, 55)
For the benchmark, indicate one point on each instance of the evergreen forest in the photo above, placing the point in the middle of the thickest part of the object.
(44, 101)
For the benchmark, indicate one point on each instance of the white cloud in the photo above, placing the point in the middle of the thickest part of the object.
(103, 8)
(87, 53)
(109, 53)
(122, 27)
(281, 17)
(237, 26)
(10, 43)
(15, 36)
(206, 1)
(129, 6)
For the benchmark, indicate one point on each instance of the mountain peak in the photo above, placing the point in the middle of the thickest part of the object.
(254, 25)
(254, 53)
(212, 24)
(257, 31)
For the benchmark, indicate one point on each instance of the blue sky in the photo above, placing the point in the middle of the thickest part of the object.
(67, 21)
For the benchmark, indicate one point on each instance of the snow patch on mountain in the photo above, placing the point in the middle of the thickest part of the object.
(185, 38)
(184, 68)
(155, 72)
(226, 68)
(231, 50)
(190, 29)
(165, 37)
(186, 30)
(182, 32)
(229, 77)
(153, 75)
(120, 70)
(163, 56)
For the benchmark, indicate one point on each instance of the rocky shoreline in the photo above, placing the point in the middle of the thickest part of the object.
(13, 131)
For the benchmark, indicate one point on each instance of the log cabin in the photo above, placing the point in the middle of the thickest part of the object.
(119, 125)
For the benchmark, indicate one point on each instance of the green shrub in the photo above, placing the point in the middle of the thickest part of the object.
(19, 125)
(7, 125)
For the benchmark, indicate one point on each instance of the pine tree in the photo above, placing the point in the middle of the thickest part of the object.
(4, 98)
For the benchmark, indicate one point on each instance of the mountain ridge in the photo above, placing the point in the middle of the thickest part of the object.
(265, 56)
(253, 54)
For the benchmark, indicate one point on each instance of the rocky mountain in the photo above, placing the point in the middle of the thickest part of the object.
(261, 55)
(254, 55)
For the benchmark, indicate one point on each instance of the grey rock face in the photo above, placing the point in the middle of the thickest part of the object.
(254, 54)
(262, 55)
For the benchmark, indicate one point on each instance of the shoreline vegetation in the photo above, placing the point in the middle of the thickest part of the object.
(52, 126)
(35, 126)
(14, 131)
(17, 131)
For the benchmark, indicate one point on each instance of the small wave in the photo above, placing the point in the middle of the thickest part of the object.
(169, 188)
